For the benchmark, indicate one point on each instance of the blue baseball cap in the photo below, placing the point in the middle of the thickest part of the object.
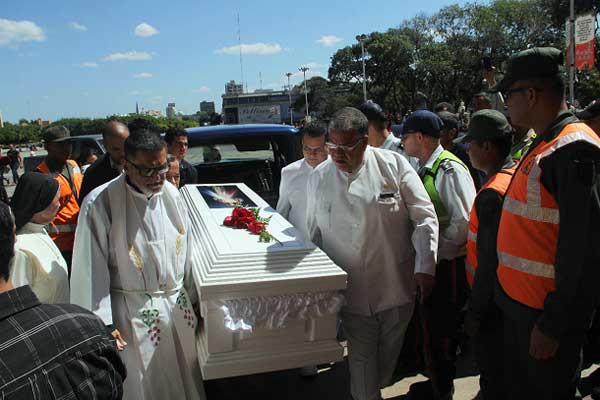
(423, 121)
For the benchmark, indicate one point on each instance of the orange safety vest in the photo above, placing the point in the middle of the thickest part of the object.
(499, 182)
(62, 229)
(528, 231)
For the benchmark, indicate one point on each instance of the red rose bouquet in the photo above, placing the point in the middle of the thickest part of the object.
(249, 219)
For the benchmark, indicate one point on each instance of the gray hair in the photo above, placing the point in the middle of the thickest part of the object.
(171, 159)
(350, 119)
(144, 140)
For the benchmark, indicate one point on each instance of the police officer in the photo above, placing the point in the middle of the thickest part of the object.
(488, 144)
(451, 189)
(547, 243)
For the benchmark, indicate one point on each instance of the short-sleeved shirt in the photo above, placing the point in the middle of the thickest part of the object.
(14, 156)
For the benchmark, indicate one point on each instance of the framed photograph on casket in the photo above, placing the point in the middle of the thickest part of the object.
(224, 196)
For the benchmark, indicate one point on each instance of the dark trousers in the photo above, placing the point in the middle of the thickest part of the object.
(488, 348)
(446, 301)
(68, 256)
(527, 378)
(15, 172)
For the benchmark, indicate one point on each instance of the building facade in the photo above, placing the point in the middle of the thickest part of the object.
(207, 107)
(171, 110)
(260, 107)
(232, 88)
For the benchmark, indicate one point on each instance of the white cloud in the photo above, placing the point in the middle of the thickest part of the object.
(77, 26)
(202, 89)
(156, 99)
(329, 40)
(89, 65)
(129, 56)
(314, 65)
(12, 32)
(145, 30)
(143, 75)
(255, 48)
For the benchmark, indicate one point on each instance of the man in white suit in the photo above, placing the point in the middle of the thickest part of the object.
(368, 210)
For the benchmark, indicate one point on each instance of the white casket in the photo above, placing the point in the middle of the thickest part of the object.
(264, 306)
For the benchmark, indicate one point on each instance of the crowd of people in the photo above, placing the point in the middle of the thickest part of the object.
(487, 224)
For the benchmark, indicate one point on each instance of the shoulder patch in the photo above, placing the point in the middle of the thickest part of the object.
(447, 166)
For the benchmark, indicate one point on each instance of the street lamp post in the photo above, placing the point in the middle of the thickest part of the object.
(304, 69)
(289, 74)
(361, 39)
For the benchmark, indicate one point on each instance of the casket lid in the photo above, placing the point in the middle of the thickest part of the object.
(232, 263)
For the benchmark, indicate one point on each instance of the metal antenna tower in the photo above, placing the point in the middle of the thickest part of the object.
(240, 46)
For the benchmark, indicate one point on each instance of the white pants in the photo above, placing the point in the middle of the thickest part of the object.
(374, 344)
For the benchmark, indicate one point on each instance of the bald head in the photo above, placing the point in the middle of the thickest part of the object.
(114, 135)
(115, 128)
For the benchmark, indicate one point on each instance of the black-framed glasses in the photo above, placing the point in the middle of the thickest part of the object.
(509, 92)
(346, 148)
(147, 172)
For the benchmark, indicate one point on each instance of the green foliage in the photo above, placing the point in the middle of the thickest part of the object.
(441, 55)
(83, 126)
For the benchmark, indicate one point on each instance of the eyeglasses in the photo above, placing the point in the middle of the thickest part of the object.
(509, 92)
(148, 172)
(346, 148)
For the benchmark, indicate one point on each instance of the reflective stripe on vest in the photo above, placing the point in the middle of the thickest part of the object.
(499, 183)
(529, 224)
(62, 229)
(429, 183)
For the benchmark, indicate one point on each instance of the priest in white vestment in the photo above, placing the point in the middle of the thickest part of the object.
(369, 211)
(132, 267)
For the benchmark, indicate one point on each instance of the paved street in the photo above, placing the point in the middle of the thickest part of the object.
(332, 383)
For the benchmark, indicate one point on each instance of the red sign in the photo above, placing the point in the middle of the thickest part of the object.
(584, 42)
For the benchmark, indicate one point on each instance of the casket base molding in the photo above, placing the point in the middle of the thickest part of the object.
(268, 358)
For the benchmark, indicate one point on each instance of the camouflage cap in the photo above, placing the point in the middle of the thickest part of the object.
(487, 124)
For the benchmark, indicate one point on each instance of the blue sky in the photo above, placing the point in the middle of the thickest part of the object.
(84, 58)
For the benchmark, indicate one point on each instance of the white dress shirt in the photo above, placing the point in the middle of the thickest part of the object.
(292, 194)
(39, 264)
(378, 224)
(457, 192)
(393, 143)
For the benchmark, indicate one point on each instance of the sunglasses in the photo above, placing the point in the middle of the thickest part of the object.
(509, 92)
(148, 172)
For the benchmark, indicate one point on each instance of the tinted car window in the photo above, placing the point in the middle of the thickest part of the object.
(225, 152)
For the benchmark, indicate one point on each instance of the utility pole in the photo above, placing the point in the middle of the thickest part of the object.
(361, 39)
(304, 69)
(572, 51)
(289, 75)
